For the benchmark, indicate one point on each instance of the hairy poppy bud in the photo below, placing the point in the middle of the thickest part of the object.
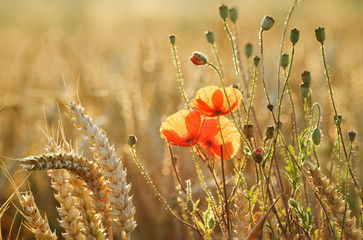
(190, 206)
(284, 60)
(256, 60)
(352, 135)
(223, 12)
(248, 49)
(267, 23)
(320, 34)
(316, 136)
(172, 38)
(198, 58)
(211, 37)
(131, 141)
(306, 77)
(257, 155)
(294, 36)
(233, 14)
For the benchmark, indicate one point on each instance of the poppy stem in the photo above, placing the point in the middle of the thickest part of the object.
(252, 95)
(226, 203)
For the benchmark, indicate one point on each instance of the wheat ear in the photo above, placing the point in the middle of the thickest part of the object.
(36, 223)
(122, 208)
(242, 214)
(334, 201)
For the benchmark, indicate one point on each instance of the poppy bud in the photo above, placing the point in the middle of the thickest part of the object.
(198, 58)
(270, 132)
(284, 60)
(248, 49)
(257, 155)
(316, 136)
(304, 90)
(190, 206)
(256, 60)
(211, 37)
(233, 14)
(294, 36)
(132, 140)
(172, 38)
(320, 34)
(352, 135)
(267, 23)
(223, 12)
(306, 77)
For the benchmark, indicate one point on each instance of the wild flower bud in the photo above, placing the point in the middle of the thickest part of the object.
(304, 90)
(284, 60)
(223, 12)
(270, 132)
(257, 155)
(267, 23)
(338, 120)
(256, 60)
(320, 34)
(270, 107)
(211, 223)
(211, 37)
(248, 49)
(233, 14)
(198, 58)
(293, 204)
(316, 136)
(352, 135)
(131, 140)
(190, 206)
(306, 77)
(172, 38)
(294, 36)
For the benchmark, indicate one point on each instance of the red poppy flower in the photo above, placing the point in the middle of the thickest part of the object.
(182, 128)
(210, 138)
(212, 101)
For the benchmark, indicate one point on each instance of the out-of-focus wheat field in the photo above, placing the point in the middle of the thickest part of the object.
(115, 58)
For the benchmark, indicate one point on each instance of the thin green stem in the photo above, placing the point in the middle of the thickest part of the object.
(263, 69)
(252, 95)
(216, 55)
(346, 187)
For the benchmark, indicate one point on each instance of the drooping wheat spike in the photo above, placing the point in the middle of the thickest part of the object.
(91, 220)
(242, 214)
(334, 201)
(35, 222)
(68, 212)
(122, 208)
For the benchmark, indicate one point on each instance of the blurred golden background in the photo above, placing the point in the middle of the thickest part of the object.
(115, 57)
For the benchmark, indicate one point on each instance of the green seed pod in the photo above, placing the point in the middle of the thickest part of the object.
(248, 49)
(233, 14)
(190, 206)
(284, 60)
(172, 38)
(316, 136)
(294, 36)
(223, 12)
(211, 223)
(352, 135)
(267, 23)
(131, 140)
(256, 60)
(306, 77)
(320, 34)
(211, 37)
(304, 90)
(270, 132)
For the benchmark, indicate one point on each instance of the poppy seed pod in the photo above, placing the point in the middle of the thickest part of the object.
(256, 60)
(284, 60)
(306, 77)
(294, 36)
(211, 37)
(198, 58)
(352, 135)
(172, 38)
(304, 90)
(223, 12)
(248, 49)
(270, 132)
(131, 140)
(320, 34)
(233, 14)
(267, 23)
(248, 131)
(316, 136)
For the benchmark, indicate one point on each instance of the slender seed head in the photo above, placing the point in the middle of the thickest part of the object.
(320, 34)
(198, 58)
(352, 135)
(132, 140)
(284, 60)
(256, 60)
(233, 14)
(267, 23)
(248, 49)
(294, 36)
(172, 38)
(316, 136)
(223, 12)
(211, 37)
(304, 90)
(306, 77)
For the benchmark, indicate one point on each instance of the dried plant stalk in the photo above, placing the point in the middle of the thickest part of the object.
(334, 201)
(36, 223)
(242, 214)
(122, 208)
